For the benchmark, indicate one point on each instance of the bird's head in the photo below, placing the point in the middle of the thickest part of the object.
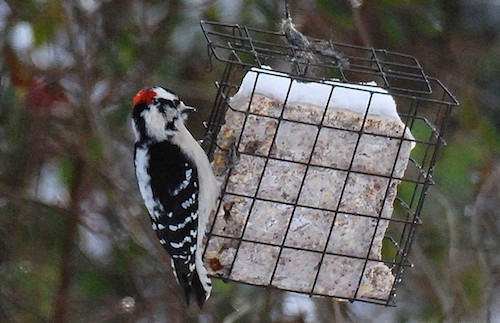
(158, 115)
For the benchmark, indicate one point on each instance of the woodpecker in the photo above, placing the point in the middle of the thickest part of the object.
(177, 184)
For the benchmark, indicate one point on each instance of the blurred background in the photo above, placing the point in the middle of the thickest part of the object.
(75, 240)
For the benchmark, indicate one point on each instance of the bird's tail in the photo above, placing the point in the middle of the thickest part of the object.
(193, 284)
(199, 290)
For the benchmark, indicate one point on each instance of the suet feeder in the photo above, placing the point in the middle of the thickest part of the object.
(325, 152)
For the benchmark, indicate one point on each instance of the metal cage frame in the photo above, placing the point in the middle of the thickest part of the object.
(424, 105)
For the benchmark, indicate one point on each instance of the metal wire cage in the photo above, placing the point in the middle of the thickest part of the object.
(269, 228)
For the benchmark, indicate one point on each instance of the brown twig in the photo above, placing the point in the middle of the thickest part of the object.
(358, 20)
(62, 306)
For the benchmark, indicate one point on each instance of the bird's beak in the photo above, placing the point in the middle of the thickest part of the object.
(186, 110)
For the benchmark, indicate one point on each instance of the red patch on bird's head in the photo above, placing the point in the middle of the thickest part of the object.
(144, 96)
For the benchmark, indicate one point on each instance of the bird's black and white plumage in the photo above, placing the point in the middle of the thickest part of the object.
(176, 182)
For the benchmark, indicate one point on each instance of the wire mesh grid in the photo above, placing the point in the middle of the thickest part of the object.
(270, 231)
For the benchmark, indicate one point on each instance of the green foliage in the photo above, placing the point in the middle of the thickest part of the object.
(454, 174)
(33, 281)
(426, 26)
(392, 27)
(93, 284)
(338, 11)
(472, 282)
(67, 167)
(47, 19)
(94, 148)
(466, 153)
(212, 14)
(125, 50)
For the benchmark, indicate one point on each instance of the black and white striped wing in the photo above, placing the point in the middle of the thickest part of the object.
(172, 203)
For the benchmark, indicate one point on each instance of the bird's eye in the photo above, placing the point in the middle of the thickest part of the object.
(168, 104)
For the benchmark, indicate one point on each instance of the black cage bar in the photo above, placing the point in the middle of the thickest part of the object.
(424, 105)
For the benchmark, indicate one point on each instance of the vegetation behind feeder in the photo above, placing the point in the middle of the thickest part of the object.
(310, 168)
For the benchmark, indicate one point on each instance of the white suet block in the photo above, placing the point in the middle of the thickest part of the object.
(312, 157)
